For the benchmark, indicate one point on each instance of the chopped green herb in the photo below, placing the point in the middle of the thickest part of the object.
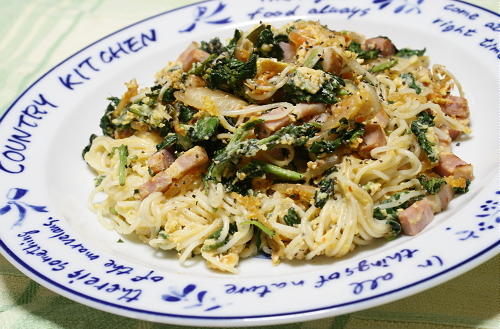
(98, 180)
(205, 128)
(364, 54)
(383, 66)
(419, 128)
(122, 173)
(291, 218)
(346, 133)
(406, 52)
(186, 113)
(119, 241)
(431, 184)
(87, 148)
(324, 192)
(410, 81)
(261, 227)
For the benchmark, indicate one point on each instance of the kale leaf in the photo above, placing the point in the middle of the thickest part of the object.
(324, 191)
(291, 218)
(419, 128)
(327, 94)
(87, 148)
(410, 81)
(213, 46)
(346, 133)
(431, 184)
(406, 52)
(267, 44)
(364, 54)
(228, 73)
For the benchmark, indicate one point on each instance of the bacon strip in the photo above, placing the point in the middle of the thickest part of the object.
(451, 165)
(192, 55)
(384, 45)
(160, 161)
(187, 162)
(416, 217)
(374, 137)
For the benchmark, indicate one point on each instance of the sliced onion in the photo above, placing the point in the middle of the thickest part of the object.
(256, 109)
(212, 101)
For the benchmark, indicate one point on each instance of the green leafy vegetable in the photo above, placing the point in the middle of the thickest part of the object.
(261, 227)
(383, 66)
(204, 128)
(327, 94)
(122, 168)
(213, 46)
(238, 148)
(168, 95)
(89, 145)
(291, 218)
(106, 124)
(324, 192)
(420, 128)
(364, 54)
(346, 133)
(267, 44)
(431, 184)
(233, 228)
(228, 74)
(186, 113)
(98, 180)
(409, 80)
(406, 52)
(391, 215)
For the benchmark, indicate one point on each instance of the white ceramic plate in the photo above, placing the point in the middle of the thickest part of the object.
(47, 231)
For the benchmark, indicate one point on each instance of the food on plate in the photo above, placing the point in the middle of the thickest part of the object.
(295, 141)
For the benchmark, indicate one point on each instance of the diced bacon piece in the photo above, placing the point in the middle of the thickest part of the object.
(160, 161)
(193, 81)
(190, 160)
(271, 123)
(187, 162)
(288, 52)
(307, 110)
(332, 62)
(416, 217)
(191, 55)
(451, 165)
(384, 45)
(158, 183)
(454, 134)
(374, 137)
(381, 118)
(441, 200)
(456, 107)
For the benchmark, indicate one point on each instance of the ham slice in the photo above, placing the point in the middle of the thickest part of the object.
(416, 217)
(440, 201)
(381, 118)
(192, 55)
(456, 107)
(374, 137)
(189, 161)
(288, 52)
(160, 161)
(451, 165)
(302, 111)
(332, 62)
(271, 124)
(384, 45)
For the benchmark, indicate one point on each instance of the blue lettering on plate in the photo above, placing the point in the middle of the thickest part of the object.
(31, 247)
(84, 70)
(14, 196)
(192, 297)
(400, 6)
(206, 15)
(370, 283)
(12, 158)
(451, 26)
